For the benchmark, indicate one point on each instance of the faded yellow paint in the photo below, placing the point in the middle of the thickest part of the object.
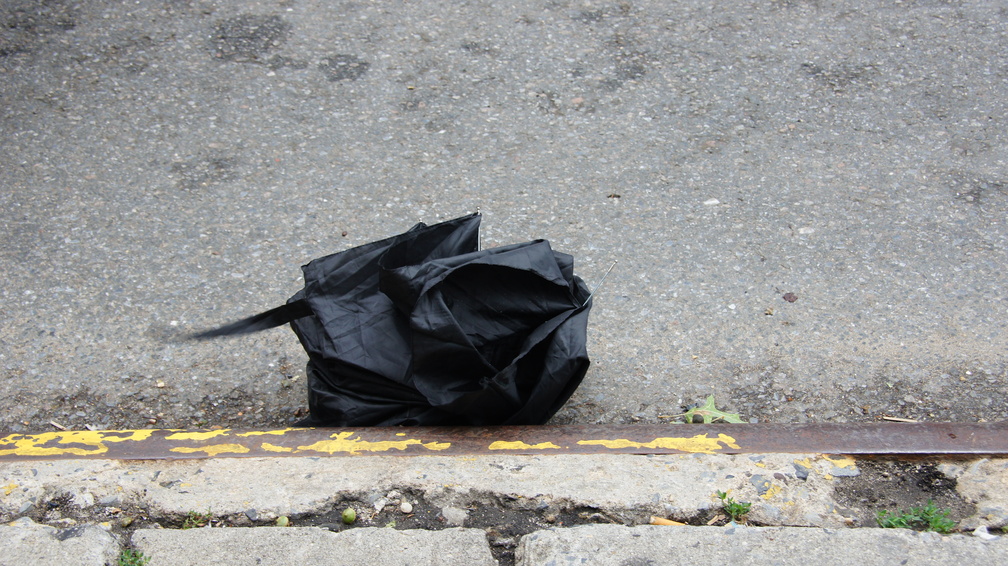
(695, 444)
(278, 432)
(770, 493)
(805, 463)
(67, 442)
(841, 461)
(199, 435)
(519, 445)
(342, 442)
(9, 488)
(274, 448)
(213, 449)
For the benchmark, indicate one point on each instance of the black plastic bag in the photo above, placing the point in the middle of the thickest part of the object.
(425, 329)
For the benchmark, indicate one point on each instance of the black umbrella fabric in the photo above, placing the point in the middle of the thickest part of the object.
(424, 328)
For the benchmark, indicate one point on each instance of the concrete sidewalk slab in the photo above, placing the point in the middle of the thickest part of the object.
(281, 546)
(795, 490)
(631, 546)
(27, 542)
(785, 489)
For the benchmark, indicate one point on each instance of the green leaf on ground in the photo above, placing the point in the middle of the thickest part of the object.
(709, 413)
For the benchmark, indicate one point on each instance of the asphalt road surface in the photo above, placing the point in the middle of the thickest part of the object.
(807, 200)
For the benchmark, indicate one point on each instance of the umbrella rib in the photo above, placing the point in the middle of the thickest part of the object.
(599, 284)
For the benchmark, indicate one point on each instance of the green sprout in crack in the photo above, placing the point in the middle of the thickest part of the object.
(734, 509)
(195, 519)
(130, 557)
(927, 518)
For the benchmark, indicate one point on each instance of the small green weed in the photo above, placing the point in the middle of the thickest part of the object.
(130, 557)
(927, 518)
(734, 509)
(195, 519)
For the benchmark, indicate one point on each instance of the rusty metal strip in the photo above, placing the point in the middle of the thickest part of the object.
(829, 438)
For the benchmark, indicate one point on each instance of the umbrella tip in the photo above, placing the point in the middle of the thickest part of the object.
(479, 232)
(204, 335)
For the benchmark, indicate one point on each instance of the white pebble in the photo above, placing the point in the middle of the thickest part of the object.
(406, 507)
(982, 534)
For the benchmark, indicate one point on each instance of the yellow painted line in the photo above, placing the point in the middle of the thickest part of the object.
(75, 442)
(519, 445)
(694, 444)
(213, 449)
(832, 440)
(342, 442)
(279, 432)
(94, 443)
(198, 435)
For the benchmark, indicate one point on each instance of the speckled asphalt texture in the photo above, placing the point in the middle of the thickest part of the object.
(807, 200)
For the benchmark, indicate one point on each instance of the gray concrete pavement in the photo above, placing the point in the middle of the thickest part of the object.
(27, 542)
(168, 166)
(299, 546)
(590, 544)
(613, 544)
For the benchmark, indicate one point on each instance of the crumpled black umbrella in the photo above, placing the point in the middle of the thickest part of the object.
(424, 328)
